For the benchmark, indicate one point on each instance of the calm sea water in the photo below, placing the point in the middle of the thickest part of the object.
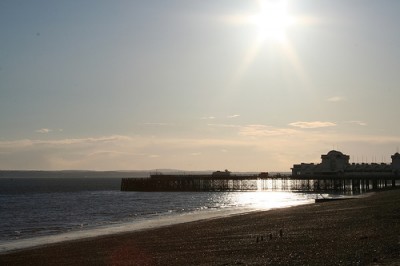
(36, 207)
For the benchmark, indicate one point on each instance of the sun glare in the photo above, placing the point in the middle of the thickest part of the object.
(272, 20)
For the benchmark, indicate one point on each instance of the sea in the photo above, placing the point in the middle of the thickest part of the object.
(37, 211)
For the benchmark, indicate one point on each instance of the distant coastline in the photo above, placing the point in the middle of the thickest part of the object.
(70, 174)
(98, 174)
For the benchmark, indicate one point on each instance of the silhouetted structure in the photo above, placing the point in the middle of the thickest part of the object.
(334, 174)
(336, 163)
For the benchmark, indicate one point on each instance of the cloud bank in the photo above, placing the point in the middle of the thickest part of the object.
(246, 148)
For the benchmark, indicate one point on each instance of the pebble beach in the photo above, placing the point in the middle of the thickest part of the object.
(360, 231)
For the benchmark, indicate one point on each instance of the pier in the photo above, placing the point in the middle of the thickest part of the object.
(259, 183)
(334, 174)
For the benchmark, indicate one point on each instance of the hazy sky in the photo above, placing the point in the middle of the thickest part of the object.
(197, 85)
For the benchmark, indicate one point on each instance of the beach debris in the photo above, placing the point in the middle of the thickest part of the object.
(259, 238)
(270, 236)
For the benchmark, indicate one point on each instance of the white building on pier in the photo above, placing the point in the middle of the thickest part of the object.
(336, 163)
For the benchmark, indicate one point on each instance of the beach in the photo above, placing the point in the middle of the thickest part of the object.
(361, 231)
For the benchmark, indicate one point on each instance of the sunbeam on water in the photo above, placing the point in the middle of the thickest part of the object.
(271, 200)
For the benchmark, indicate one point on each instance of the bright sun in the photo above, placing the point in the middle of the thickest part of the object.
(272, 20)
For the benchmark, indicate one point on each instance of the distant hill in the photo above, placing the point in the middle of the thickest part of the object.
(106, 174)
(72, 174)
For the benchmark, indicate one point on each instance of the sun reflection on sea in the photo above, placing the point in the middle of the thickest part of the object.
(264, 200)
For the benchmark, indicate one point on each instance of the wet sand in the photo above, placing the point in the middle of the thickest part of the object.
(363, 231)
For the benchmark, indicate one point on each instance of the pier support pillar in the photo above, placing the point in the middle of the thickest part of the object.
(374, 184)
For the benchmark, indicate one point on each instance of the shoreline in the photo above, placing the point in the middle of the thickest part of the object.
(129, 227)
(362, 231)
(102, 231)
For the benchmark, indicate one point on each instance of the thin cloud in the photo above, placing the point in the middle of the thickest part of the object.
(357, 122)
(257, 130)
(158, 124)
(264, 131)
(208, 117)
(109, 153)
(43, 130)
(336, 99)
(233, 116)
(223, 125)
(312, 124)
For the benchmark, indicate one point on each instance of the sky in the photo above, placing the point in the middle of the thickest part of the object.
(197, 85)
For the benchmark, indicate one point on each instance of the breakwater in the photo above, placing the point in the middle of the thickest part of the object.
(259, 183)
